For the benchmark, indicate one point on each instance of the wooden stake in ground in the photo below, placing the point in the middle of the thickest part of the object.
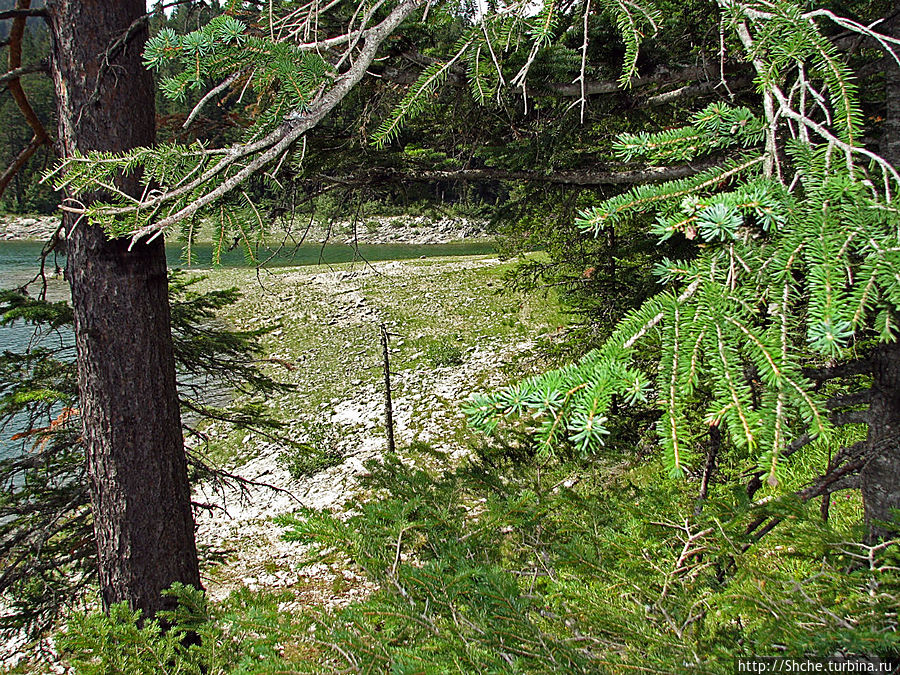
(388, 406)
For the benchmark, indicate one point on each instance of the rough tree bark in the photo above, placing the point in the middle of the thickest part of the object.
(880, 477)
(140, 495)
(890, 139)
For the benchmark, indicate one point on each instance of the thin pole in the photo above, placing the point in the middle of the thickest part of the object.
(388, 406)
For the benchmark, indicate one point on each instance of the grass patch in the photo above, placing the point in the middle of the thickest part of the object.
(442, 352)
(319, 450)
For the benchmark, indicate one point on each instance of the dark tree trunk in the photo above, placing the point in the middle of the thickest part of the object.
(880, 477)
(890, 140)
(126, 373)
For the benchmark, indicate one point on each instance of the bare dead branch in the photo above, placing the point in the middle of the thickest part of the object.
(14, 85)
(694, 90)
(855, 367)
(41, 67)
(639, 87)
(215, 91)
(850, 417)
(593, 88)
(755, 482)
(578, 178)
(856, 398)
(23, 13)
(713, 443)
(16, 34)
(20, 160)
(849, 453)
(844, 477)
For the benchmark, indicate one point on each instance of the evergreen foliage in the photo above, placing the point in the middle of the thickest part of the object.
(795, 262)
(711, 130)
(499, 567)
(285, 76)
(496, 36)
(46, 536)
(543, 556)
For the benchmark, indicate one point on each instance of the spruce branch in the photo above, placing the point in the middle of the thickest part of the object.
(258, 154)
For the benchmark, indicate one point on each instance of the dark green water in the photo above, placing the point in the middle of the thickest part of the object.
(19, 262)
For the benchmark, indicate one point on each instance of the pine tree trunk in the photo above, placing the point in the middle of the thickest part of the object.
(140, 495)
(880, 477)
(890, 138)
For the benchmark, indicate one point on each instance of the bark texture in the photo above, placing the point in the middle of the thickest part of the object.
(126, 373)
(890, 139)
(880, 476)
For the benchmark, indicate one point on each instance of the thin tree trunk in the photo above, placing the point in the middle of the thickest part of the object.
(713, 443)
(388, 405)
(140, 495)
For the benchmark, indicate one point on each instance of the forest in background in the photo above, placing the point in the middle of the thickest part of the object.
(578, 551)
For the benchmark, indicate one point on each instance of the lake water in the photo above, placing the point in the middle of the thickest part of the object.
(19, 262)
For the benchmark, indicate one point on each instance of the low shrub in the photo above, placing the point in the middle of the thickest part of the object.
(318, 449)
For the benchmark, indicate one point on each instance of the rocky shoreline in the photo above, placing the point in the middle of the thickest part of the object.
(405, 230)
(28, 228)
(416, 230)
(336, 369)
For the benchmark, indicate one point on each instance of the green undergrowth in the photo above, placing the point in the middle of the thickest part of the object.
(507, 561)
(319, 450)
(443, 352)
(510, 565)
